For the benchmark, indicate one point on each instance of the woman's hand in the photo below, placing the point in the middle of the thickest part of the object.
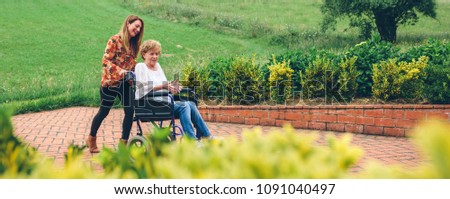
(123, 72)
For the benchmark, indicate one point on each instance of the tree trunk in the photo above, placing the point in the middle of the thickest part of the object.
(386, 25)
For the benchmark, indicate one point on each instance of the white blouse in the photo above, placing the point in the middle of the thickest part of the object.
(146, 79)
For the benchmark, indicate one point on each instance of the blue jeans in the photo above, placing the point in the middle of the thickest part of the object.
(188, 113)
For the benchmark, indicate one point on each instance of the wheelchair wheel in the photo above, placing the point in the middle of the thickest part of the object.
(138, 143)
(177, 136)
(172, 137)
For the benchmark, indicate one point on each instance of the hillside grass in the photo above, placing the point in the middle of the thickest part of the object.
(273, 20)
(51, 49)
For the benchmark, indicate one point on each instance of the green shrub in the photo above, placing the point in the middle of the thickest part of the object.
(212, 78)
(437, 84)
(399, 80)
(436, 88)
(324, 79)
(234, 79)
(319, 79)
(243, 81)
(261, 159)
(280, 81)
(370, 52)
(19, 160)
(225, 160)
(348, 74)
(298, 61)
(191, 78)
(16, 160)
(437, 51)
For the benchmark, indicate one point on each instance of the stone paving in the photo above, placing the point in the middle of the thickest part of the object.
(51, 132)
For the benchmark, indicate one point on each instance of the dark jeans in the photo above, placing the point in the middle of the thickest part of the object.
(108, 95)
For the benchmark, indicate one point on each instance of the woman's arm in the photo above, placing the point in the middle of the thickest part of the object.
(161, 87)
(112, 48)
(173, 88)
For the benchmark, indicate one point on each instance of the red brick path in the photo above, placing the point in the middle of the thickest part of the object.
(51, 132)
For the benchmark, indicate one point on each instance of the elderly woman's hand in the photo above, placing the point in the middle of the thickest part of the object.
(174, 89)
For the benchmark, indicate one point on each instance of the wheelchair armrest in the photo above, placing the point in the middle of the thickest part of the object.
(160, 93)
(186, 90)
(186, 94)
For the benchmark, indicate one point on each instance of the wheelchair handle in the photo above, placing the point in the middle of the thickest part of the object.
(130, 76)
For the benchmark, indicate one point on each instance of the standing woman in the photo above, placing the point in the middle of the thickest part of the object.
(118, 59)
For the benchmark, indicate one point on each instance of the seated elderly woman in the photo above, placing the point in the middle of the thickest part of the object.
(151, 77)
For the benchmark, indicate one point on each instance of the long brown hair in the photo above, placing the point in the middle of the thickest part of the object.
(131, 44)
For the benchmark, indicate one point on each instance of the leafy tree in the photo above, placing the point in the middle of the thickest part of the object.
(385, 15)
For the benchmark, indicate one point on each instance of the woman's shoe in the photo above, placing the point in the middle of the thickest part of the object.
(91, 143)
(124, 142)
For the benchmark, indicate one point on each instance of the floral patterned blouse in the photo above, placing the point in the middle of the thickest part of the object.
(115, 58)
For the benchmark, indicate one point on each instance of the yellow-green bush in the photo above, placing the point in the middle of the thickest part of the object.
(283, 154)
(279, 154)
(399, 80)
(348, 74)
(243, 81)
(191, 77)
(16, 160)
(318, 78)
(280, 80)
(334, 82)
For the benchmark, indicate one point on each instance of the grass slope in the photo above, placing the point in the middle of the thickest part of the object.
(282, 17)
(51, 49)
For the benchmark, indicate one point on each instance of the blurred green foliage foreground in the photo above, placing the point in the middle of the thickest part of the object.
(274, 155)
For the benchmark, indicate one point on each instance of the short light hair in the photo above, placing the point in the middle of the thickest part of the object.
(150, 45)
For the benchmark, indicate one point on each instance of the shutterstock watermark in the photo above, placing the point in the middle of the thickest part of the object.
(240, 92)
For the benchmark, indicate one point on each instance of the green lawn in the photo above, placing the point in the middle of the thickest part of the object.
(51, 49)
(302, 16)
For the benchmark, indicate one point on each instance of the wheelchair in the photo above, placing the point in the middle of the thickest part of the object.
(157, 107)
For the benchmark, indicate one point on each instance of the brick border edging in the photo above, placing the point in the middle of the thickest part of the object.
(389, 120)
